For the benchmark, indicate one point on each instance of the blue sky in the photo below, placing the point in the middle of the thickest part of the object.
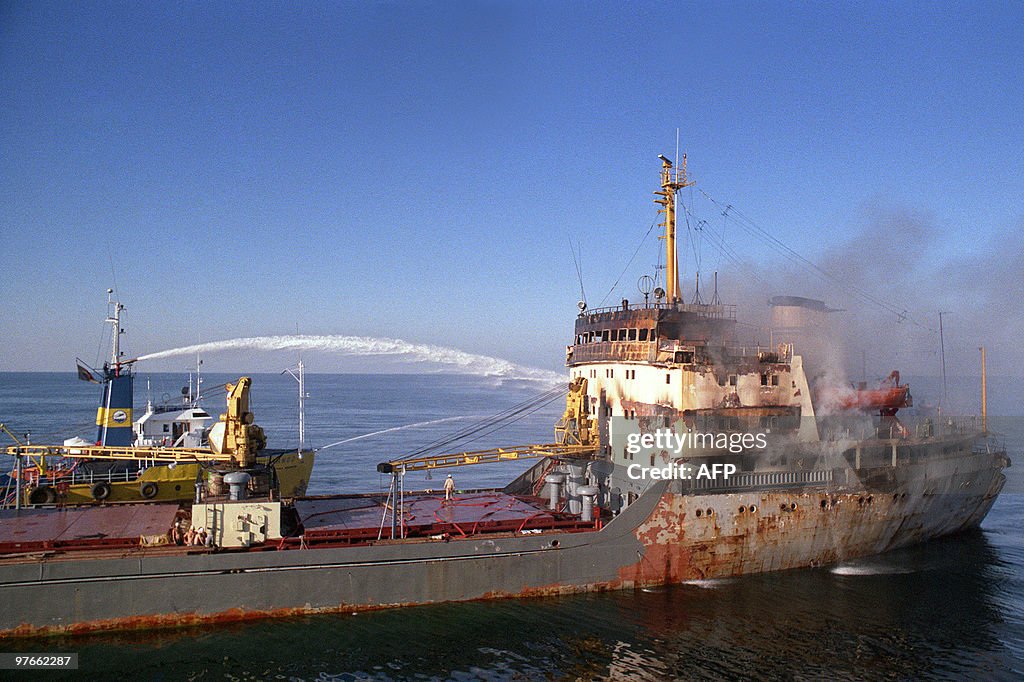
(416, 170)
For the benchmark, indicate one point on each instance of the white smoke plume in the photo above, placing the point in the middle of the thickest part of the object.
(471, 363)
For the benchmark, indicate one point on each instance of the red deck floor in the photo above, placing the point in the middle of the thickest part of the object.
(359, 518)
(119, 525)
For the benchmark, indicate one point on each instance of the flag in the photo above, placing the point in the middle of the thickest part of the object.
(85, 373)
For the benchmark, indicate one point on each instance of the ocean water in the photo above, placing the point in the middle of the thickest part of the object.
(951, 608)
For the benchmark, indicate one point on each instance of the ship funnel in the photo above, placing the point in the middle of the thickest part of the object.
(114, 415)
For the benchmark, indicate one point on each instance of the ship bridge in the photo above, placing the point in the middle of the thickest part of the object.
(650, 332)
(666, 356)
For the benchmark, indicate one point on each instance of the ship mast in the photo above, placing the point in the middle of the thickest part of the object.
(115, 336)
(671, 183)
(299, 375)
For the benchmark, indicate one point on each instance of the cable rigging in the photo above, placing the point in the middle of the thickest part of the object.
(490, 424)
(755, 230)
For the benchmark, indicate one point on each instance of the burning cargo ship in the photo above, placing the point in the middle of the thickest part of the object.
(651, 480)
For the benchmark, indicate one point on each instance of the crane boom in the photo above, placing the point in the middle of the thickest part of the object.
(489, 456)
(154, 454)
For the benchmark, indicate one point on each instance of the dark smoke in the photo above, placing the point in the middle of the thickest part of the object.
(906, 259)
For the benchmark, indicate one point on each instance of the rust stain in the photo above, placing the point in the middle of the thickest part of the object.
(185, 620)
(750, 533)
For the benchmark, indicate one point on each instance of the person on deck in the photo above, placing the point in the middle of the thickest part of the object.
(449, 488)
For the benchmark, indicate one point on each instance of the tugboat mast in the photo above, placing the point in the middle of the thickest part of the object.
(671, 183)
(299, 375)
(115, 337)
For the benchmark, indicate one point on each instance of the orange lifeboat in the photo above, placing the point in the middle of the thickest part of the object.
(889, 397)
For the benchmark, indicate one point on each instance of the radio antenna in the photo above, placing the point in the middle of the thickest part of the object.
(579, 270)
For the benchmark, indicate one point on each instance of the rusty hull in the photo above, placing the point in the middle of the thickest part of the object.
(665, 536)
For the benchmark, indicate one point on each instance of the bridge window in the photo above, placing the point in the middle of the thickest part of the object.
(732, 379)
(775, 380)
(764, 379)
(668, 378)
(632, 334)
(643, 334)
(604, 335)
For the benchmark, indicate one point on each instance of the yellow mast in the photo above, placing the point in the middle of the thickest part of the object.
(671, 183)
(984, 393)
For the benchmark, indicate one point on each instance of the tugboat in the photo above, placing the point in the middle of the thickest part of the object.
(71, 478)
(681, 455)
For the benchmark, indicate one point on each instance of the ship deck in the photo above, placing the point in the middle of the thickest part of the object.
(338, 520)
(360, 519)
(91, 527)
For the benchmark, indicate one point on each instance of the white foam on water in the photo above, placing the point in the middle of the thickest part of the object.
(866, 569)
(472, 363)
(708, 583)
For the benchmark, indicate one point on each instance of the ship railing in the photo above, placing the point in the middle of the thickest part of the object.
(918, 427)
(85, 477)
(724, 311)
(849, 433)
(989, 445)
(763, 479)
(767, 354)
(958, 425)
